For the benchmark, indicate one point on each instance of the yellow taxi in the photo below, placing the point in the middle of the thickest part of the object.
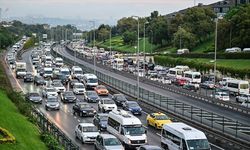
(157, 120)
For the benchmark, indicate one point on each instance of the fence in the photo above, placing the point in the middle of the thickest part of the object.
(222, 125)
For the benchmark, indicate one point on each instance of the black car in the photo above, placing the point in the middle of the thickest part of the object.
(72, 82)
(28, 77)
(119, 99)
(38, 80)
(41, 71)
(83, 109)
(68, 97)
(133, 107)
(91, 96)
(190, 87)
(100, 121)
(33, 97)
(63, 78)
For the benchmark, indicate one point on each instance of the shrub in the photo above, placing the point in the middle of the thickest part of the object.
(50, 141)
(7, 136)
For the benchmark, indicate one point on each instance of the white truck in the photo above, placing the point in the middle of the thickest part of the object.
(20, 69)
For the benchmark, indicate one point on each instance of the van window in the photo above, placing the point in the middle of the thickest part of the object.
(198, 144)
(244, 86)
(233, 85)
(172, 72)
(175, 139)
(113, 123)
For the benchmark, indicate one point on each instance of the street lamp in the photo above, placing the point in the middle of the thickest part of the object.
(152, 36)
(94, 48)
(215, 45)
(110, 34)
(137, 56)
(144, 47)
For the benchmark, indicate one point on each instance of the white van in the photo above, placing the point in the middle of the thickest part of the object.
(233, 50)
(182, 51)
(246, 50)
(90, 80)
(224, 81)
(180, 136)
(65, 71)
(127, 128)
(48, 72)
(76, 72)
(191, 76)
(237, 87)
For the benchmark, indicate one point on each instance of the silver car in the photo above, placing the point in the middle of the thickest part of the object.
(107, 142)
(52, 103)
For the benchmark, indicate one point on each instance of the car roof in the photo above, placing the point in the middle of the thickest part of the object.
(86, 124)
(102, 114)
(158, 113)
(132, 102)
(106, 98)
(106, 136)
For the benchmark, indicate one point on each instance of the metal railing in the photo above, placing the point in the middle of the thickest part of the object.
(220, 124)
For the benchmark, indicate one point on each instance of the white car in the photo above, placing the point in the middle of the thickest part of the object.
(49, 91)
(222, 96)
(79, 88)
(86, 132)
(59, 87)
(242, 98)
(106, 104)
(246, 104)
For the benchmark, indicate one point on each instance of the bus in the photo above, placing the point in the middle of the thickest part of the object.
(127, 128)
(176, 136)
(90, 80)
(237, 87)
(191, 76)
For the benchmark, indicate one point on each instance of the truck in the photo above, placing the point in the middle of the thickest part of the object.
(20, 69)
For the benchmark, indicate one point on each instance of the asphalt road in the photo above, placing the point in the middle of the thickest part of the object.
(228, 113)
(65, 119)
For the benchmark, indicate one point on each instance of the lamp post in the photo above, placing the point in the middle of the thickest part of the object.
(144, 46)
(152, 36)
(137, 56)
(215, 45)
(110, 34)
(94, 48)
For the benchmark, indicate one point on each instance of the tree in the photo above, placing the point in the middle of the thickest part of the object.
(129, 37)
(188, 40)
(126, 24)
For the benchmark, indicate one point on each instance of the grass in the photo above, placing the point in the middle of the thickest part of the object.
(26, 134)
(207, 46)
(234, 63)
(117, 44)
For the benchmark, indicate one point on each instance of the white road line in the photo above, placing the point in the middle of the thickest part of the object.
(158, 134)
(216, 146)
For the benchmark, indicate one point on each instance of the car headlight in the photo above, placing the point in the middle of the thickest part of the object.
(128, 142)
(130, 109)
(94, 111)
(57, 105)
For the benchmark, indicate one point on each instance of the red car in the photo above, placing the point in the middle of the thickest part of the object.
(180, 81)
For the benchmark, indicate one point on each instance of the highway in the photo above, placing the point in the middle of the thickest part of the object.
(65, 119)
(242, 118)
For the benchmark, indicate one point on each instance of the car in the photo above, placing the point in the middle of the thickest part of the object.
(101, 90)
(108, 142)
(83, 109)
(190, 87)
(34, 97)
(157, 120)
(207, 85)
(166, 80)
(49, 91)
(72, 82)
(91, 96)
(39, 80)
(68, 96)
(79, 88)
(100, 121)
(242, 98)
(59, 87)
(246, 104)
(149, 147)
(180, 81)
(222, 96)
(52, 103)
(86, 132)
(133, 107)
(106, 104)
(28, 77)
(119, 99)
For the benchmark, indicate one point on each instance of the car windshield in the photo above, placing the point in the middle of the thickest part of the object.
(90, 129)
(92, 93)
(161, 117)
(104, 118)
(52, 99)
(48, 72)
(65, 72)
(133, 105)
(197, 76)
(85, 106)
(92, 80)
(134, 130)
(121, 97)
(69, 94)
(101, 87)
(199, 144)
(244, 86)
(79, 86)
(78, 72)
(34, 95)
(108, 101)
(51, 90)
(111, 142)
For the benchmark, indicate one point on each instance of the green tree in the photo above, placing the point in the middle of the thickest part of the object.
(187, 39)
(129, 37)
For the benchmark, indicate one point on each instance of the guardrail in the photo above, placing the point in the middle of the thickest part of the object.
(47, 126)
(193, 95)
(225, 126)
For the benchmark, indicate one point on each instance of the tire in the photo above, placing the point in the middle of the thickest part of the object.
(148, 123)
(103, 110)
(82, 141)
(156, 126)
(96, 148)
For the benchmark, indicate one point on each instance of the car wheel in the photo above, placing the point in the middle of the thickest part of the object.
(99, 108)
(46, 108)
(96, 148)
(148, 123)
(82, 141)
(76, 135)
(156, 126)
(103, 110)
